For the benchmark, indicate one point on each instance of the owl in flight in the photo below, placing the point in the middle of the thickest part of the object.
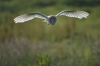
(51, 20)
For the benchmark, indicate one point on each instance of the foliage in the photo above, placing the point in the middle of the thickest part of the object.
(70, 42)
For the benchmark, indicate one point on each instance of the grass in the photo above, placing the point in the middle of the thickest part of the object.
(46, 53)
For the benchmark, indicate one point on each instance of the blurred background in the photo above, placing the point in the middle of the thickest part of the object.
(70, 42)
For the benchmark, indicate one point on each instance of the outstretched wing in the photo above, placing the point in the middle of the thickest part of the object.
(76, 14)
(30, 16)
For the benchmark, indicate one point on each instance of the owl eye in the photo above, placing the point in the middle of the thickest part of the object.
(53, 20)
(50, 20)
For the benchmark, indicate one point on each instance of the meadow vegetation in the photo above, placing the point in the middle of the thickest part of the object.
(70, 42)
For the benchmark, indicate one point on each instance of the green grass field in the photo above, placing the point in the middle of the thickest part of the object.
(70, 42)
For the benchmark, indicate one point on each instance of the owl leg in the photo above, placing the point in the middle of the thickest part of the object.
(47, 23)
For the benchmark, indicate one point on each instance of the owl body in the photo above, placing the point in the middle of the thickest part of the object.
(51, 20)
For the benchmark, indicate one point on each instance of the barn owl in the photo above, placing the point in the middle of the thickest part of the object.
(51, 20)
